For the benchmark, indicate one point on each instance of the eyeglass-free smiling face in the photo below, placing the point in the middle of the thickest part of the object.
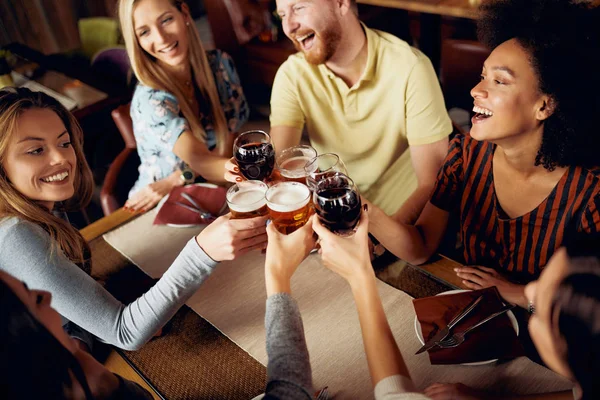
(161, 31)
(40, 161)
(507, 101)
(312, 26)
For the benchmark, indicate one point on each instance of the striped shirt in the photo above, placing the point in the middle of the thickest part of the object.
(519, 246)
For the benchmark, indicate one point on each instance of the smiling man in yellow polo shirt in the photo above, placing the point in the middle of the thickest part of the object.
(365, 95)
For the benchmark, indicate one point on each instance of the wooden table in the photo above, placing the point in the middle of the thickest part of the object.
(421, 281)
(87, 98)
(418, 281)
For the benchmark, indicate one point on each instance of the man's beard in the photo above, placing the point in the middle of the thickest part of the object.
(324, 48)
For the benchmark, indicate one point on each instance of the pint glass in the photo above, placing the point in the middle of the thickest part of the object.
(254, 154)
(289, 205)
(291, 162)
(247, 199)
(337, 203)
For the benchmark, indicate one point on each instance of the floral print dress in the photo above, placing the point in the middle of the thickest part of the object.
(158, 121)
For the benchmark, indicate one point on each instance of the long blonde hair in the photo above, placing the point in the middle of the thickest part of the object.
(13, 103)
(151, 74)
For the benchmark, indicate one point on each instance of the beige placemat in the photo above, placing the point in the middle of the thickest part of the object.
(233, 300)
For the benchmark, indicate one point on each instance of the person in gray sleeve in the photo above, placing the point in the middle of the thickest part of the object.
(42, 164)
(288, 370)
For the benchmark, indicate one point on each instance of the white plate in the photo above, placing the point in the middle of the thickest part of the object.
(511, 316)
(164, 200)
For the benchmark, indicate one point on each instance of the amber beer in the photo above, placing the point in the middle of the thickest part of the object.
(291, 163)
(289, 206)
(247, 199)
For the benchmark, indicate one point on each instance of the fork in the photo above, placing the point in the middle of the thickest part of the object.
(323, 394)
(202, 214)
(457, 338)
(194, 202)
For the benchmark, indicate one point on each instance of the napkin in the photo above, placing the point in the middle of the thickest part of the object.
(211, 199)
(496, 339)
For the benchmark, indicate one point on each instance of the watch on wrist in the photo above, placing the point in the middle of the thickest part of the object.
(187, 176)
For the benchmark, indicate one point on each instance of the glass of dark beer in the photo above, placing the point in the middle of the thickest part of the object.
(322, 167)
(255, 155)
(289, 205)
(291, 162)
(247, 199)
(337, 203)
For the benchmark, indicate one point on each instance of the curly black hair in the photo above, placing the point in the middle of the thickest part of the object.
(562, 38)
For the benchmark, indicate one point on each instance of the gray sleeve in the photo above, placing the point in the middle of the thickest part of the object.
(288, 372)
(25, 253)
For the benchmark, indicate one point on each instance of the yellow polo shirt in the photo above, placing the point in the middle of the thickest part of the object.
(396, 103)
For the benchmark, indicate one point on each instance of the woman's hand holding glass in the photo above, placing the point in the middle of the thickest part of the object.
(347, 256)
(284, 254)
(227, 239)
(232, 171)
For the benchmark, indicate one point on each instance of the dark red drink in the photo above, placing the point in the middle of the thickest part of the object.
(338, 204)
(255, 160)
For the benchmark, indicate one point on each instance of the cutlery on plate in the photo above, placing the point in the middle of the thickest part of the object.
(194, 202)
(457, 338)
(443, 333)
(203, 214)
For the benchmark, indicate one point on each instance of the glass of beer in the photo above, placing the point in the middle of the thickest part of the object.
(247, 199)
(321, 167)
(289, 205)
(337, 203)
(291, 162)
(255, 155)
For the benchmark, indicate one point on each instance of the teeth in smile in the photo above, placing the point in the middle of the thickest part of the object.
(56, 178)
(481, 110)
(303, 38)
(166, 49)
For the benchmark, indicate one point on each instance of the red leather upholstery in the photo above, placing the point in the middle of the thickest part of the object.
(123, 172)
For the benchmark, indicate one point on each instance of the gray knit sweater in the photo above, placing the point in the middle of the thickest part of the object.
(25, 254)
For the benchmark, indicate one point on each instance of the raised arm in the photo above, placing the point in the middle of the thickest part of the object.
(199, 158)
(413, 243)
(288, 372)
(349, 257)
(417, 242)
(26, 253)
(426, 161)
(284, 137)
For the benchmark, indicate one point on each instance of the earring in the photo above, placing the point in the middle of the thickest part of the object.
(187, 24)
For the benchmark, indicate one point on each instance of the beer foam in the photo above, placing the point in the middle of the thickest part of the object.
(294, 167)
(288, 197)
(247, 201)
